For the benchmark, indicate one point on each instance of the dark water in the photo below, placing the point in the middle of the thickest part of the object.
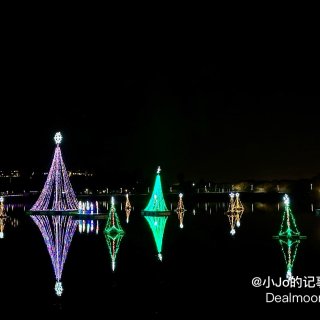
(204, 269)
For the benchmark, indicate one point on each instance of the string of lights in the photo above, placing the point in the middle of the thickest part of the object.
(127, 208)
(113, 233)
(57, 232)
(288, 226)
(180, 210)
(57, 193)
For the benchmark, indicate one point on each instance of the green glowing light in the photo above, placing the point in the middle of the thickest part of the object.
(157, 225)
(289, 249)
(113, 242)
(113, 233)
(288, 225)
(156, 202)
(113, 223)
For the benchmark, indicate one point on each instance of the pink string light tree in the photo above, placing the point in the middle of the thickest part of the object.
(57, 193)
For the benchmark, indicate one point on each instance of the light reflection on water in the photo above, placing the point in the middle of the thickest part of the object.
(203, 248)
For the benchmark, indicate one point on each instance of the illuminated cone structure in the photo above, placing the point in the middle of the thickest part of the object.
(127, 208)
(156, 214)
(57, 193)
(57, 232)
(156, 205)
(113, 233)
(288, 225)
(180, 210)
(289, 248)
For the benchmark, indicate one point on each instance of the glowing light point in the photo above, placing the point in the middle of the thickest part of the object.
(181, 225)
(158, 170)
(1, 199)
(180, 195)
(1, 235)
(238, 224)
(233, 231)
(58, 288)
(286, 200)
(58, 138)
(289, 274)
(160, 256)
(112, 201)
(113, 265)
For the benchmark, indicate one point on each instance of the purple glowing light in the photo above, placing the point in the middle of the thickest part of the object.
(57, 232)
(57, 193)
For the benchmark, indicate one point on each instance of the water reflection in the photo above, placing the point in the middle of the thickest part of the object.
(157, 225)
(57, 232)
(88, 226)
(289, 248)
(113, 233)
(3, 218)
(88, 207)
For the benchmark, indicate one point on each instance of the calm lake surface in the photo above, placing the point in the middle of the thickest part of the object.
(204, 269)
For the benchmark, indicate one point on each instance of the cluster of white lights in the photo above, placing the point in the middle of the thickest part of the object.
(58, 138)
(286, 200)
(58, 288)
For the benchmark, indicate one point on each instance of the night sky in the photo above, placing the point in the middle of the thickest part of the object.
(126, 105)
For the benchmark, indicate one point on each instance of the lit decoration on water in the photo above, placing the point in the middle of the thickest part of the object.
(57, 232)
(113, 233)
(289, 236)
(289, 248)
(3, 217)
(288, 225)
(157, 225)
(232, 217)
(127, 207)
(235, 211)
(180, 210)
(156, 213)
(156, 203)
(57, 193)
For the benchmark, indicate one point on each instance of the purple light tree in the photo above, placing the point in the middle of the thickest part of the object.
(57, 193)
(57, 232)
